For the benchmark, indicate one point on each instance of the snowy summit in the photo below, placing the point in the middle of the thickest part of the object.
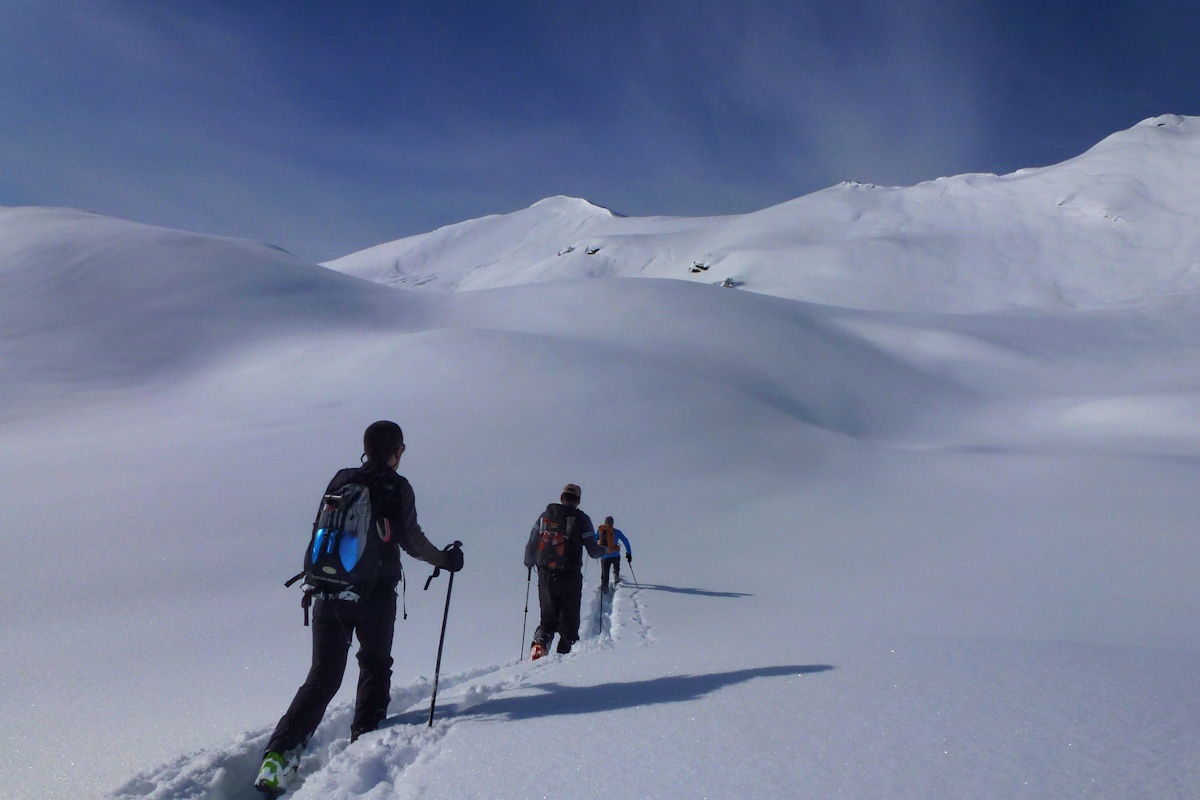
(1112, 226)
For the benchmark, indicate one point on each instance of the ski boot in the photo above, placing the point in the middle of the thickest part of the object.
(277, 770)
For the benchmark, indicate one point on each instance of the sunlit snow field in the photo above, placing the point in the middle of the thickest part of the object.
(912, 508)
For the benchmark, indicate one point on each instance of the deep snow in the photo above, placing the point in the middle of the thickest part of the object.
(920, 524)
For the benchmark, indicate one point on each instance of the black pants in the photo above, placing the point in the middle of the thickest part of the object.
(613, 564)
(559, 594)
(334, 622)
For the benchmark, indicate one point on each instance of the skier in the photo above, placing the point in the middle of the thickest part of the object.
(611, 539)
(372, 616)
(555, 547)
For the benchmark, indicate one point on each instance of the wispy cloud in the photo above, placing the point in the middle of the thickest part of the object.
(328, 128)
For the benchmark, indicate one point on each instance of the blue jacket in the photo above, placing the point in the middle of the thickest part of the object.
(620, 540)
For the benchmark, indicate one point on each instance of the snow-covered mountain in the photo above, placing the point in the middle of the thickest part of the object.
(883, 551)
(94, 301)
(1118, 224)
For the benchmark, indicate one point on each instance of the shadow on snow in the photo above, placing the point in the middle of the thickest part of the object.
(559, 700)
(654, 587)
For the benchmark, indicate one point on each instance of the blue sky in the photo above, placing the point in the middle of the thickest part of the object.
(328, 127)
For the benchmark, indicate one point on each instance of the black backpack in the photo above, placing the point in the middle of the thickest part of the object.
(345, 550)
(559, 547)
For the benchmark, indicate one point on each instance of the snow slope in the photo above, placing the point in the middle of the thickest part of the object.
(92, 301)
(883, 552)
(1118, 224)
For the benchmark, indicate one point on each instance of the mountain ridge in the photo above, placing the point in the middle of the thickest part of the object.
(1105, 227)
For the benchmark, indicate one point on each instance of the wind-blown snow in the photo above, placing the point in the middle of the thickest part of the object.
(884, 550)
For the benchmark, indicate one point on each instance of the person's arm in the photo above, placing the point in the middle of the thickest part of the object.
(410, 536)
(531, 545)
(621, 538)
(587, 533)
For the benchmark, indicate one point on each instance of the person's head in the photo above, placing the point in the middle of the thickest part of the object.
(608, 520)
(570, 496)
(383, 441)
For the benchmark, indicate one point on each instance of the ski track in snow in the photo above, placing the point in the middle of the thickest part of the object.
(377, 763)
(633, 618)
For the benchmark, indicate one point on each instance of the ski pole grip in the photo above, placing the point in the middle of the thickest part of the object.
(456, 545)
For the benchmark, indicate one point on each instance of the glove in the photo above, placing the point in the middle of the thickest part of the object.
(629, 559)
(454, 560)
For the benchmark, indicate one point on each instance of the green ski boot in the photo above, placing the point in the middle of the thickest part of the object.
(277, 769)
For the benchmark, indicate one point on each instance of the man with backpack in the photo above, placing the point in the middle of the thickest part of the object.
(611, 539)
(352, 567)
(555, 547)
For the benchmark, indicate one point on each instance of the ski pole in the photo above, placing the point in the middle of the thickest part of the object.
(629, 561)
(524, 624)
(437, 670)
